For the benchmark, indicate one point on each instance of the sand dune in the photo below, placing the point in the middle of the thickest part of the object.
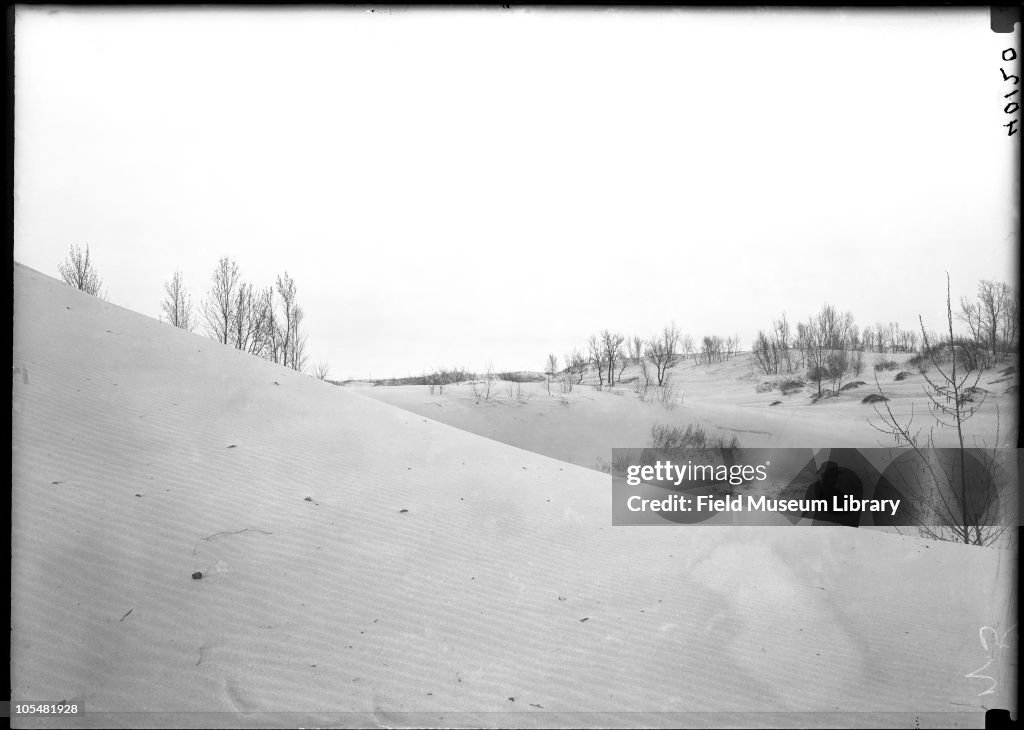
(584, 425)
(364, 565)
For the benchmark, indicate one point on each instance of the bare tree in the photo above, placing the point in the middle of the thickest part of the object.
(782, 336)
(971, 519)
(813, 344)
(246, 333)
(177, 304)
(1011, 321)
(686, 347)
(992, 296)
(882, 337)
(289, 338)
(261, 323)
(597, 358)
(712, 348)
(836, 331)
(298, 342)
(218, 309)
(575, 367)
(78, 271)
(488, 380)
(623, 363)
(856, 359)
(643, 383)
(663, 351)
(551, 370)
(321, 370)
(867, 339)
(766, 353)
(732, 346)
(636, 345)
(611, 344)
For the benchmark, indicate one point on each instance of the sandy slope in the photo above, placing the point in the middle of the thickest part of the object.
(583, 426)
(502, 596)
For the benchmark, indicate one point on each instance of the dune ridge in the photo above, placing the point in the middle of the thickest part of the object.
(432, 578)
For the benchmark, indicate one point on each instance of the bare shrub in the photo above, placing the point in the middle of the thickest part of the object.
(436, 382)
(488, 380)
(78, 271)
(959, 509)
(662, 351)
(920, 362)
(668, 436)
(575, 367)
(177, 304)
(857, 362)
(642, 385)
(611, 348)
(594, 352)
(668, 395)
(550, 371)
(218, 309)
(320, 370)
(791, 385)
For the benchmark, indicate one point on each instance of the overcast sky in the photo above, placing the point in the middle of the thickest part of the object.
(455, 187)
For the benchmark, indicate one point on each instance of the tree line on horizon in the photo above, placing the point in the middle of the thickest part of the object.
(609, 353)
(829, 346)
(266, 322)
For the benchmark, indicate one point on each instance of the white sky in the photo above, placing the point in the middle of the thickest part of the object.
(452, 187)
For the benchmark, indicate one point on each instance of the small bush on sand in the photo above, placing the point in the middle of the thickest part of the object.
(668, 395)
(874, 398)
(903, 375)
(885, 364)
(520, 377)
(791, 385)
(668, 436)
(921, 363)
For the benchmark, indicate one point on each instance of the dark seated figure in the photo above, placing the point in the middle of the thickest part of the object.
(834, 484)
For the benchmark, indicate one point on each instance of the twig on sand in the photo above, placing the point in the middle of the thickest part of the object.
(228, 532)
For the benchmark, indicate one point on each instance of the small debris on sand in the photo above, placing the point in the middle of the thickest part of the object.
(197, 575)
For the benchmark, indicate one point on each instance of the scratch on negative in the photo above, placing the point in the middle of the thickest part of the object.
(228, 532)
